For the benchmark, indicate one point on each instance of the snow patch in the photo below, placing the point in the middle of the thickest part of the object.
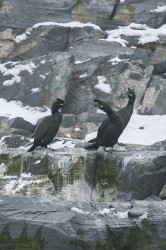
(146, 136)
(159, 9)
(14, 109)
(79, 62)
(61, 144)
(90, 136)
(144, 33)
(15, 71)
(102, 85)
(83, 75)
(105, 211)
(79, 211)
(35, 90)
(20, 38)
(70, 25)
(77, 129)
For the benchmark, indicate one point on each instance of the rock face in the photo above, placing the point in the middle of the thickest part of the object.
(65, 197)
(69, 225)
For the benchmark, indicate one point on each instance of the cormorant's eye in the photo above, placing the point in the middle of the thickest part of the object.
(101, 106)
(61, 104)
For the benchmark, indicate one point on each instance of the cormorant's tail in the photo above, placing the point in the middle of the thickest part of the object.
(92, 140)
(32, 148)
(92, 146)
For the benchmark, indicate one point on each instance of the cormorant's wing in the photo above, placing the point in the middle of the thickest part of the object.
(42, 127)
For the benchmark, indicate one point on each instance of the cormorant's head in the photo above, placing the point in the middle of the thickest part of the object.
(57, 105)
(102, 105)
(131, 94)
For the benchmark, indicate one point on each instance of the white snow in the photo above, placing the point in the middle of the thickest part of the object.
(102, 85)
(20, 38)
(77, 129)
(83, 75)
(79, 62)
(15, 71)
(159, 9)
(90, 136)
(154, 129)
(61, 144)
(144, 216)
(70, 25)
(17, 184)
(35, 90)
(14, 109)
(116, 60)
(144, 33)
(37, 162)
(105, 211)
(122, 1)
(122, 215)
(79, 211)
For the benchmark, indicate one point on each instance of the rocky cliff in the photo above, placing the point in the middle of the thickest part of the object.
(65, 197)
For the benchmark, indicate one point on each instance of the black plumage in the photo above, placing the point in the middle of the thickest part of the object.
(125, 112)
(48, 127)
(109, 130)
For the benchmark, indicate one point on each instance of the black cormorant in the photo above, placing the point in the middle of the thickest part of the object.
(48, 127)
(109, 130)
(125, 112)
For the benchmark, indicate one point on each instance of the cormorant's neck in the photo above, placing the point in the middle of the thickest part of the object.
(109, 111)
(55, 112)
(131, 101)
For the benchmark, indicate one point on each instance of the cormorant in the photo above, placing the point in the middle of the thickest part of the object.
(125, 112)
(48, 127)
(109, 130)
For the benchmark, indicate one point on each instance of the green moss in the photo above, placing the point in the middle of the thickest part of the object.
(74, 172)
(4, 158)
(129, 7)
(14, 166)
(106, 174)
(23, 242)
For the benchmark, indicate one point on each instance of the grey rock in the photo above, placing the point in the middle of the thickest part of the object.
(65, 220)
(140, 12)
(147, 184)
(154, 101)
(50, 78)
(20, 123)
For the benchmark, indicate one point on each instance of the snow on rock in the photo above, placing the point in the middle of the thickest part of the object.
(70, 25)
(61, 144)
(102, 85)
(105, 211)
(20, 38)
(144, 129)
(83, 75)
(35, 90)
(14, 109)
(116, 60)
(159, 9)
(15, 71)
(144, 33)
(79, 211)
(90, 136)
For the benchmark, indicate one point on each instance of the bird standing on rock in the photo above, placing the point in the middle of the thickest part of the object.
(109, 130)
(48, 126)
(125, 112)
